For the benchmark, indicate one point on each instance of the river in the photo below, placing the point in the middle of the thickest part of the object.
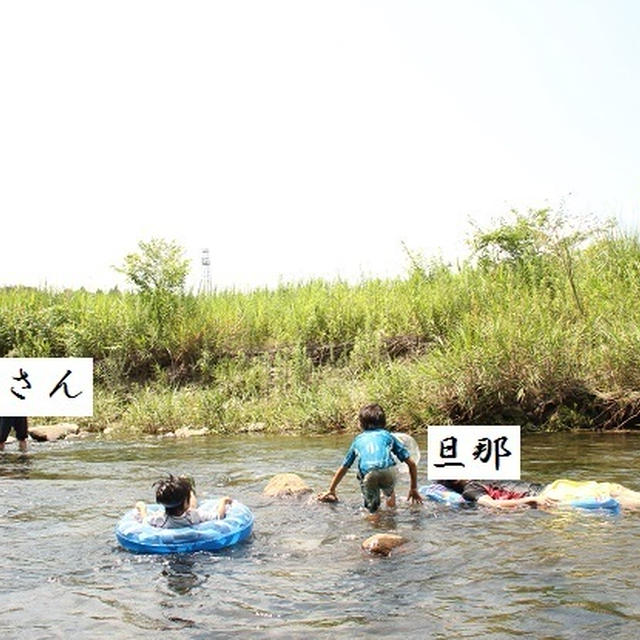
(469, 573)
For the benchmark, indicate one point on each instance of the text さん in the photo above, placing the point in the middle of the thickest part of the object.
(46, 386)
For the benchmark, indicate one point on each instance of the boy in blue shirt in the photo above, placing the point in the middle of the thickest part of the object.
(373, 449)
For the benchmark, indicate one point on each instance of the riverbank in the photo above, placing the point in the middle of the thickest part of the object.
(529, 342)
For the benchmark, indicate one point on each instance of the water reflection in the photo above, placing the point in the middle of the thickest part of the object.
(180, 572)
(16, 465)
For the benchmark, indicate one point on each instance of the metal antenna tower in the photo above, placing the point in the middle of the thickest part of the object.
(205, 276)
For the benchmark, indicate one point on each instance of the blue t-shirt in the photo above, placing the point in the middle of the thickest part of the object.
(373, 449)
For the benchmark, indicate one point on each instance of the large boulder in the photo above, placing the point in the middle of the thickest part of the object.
(382, 543)
(188, 432)
(254, 427)
(50, 432)
(286, 484)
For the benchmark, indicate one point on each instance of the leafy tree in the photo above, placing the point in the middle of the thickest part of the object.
(158, 268)
(158, 271)
(526, 237)
(535, 239)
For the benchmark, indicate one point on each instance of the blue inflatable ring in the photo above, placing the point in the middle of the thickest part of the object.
(211, 535)
(610, 504)
(440, 493)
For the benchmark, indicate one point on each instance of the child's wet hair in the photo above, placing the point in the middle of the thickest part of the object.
(172, 492)
(372, 416)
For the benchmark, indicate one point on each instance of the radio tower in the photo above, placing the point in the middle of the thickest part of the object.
(205, 277)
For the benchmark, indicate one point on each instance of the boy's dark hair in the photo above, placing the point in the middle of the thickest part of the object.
(372, 416)
(172, 492)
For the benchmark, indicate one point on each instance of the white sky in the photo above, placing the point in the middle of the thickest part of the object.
(304, 139)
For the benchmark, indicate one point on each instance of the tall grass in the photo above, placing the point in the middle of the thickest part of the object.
(503, 343)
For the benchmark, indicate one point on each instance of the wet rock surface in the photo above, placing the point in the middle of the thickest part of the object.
(52, 432)
(382, 543)
(286, 484)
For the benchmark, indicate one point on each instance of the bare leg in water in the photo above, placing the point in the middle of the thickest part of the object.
(626, 497)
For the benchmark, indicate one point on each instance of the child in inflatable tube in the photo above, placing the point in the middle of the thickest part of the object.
(177, 495)
(373, 449)
(561, 491)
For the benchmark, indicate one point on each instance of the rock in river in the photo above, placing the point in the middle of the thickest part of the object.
(49, 432)
(382, 543)
(286, 484)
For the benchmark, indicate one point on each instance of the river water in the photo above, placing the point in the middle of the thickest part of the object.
(469, 573)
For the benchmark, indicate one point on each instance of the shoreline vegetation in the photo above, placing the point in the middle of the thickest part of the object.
(539, 327)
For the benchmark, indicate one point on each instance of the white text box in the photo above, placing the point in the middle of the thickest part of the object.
(46, 387)
(473, 452)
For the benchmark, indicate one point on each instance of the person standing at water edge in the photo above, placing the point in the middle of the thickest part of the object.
(373, 449)
(19, 424)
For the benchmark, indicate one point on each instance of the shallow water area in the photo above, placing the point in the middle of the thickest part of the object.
(464, 573)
